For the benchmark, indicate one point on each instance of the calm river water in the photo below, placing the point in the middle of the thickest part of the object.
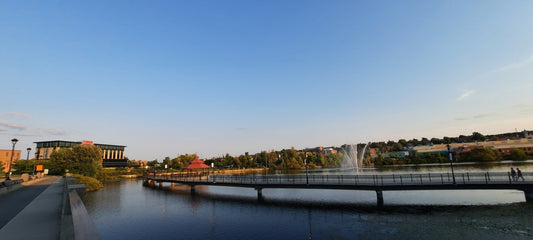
(128, 210)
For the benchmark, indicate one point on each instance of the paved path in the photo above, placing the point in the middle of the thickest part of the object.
(12, 203)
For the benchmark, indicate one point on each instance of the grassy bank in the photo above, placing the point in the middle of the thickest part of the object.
(91, 184)
(115, 174)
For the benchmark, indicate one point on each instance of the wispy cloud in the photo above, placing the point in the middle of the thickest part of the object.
(524, 109)
(12, 125)
(15, 114)
(478, 116)
(465, 95)
(49, 131)
(40, 132)
(516, 65)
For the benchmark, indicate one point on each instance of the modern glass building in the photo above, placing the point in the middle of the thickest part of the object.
(113, 154)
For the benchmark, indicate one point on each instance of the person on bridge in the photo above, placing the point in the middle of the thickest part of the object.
(519, 174)
(513, 174)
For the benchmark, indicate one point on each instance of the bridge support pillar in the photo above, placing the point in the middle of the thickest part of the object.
(160, 184)
(259, 194)
(379, 195)
(529, 195)
(193, 189)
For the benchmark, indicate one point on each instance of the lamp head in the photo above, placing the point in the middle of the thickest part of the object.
(14, 141)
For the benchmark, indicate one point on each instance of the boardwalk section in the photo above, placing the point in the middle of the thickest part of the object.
(378, 183)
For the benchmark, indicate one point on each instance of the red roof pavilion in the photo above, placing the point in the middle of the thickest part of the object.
(196, 164)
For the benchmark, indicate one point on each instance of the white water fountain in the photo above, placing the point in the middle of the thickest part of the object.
(351, 159)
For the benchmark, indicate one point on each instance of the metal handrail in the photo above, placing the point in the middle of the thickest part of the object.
(361, 179)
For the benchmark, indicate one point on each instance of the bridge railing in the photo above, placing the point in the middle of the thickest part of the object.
(361, 179)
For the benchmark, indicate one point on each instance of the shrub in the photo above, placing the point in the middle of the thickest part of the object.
(518, 154)
(484, 155)
(91, 184)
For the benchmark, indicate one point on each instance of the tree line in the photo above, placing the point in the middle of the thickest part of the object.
(284, 159)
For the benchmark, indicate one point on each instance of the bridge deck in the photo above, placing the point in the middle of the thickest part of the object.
(426, 181)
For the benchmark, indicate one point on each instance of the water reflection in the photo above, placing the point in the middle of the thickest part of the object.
(146, 213)
(127, 210)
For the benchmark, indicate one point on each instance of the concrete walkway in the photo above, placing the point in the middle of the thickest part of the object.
(32, 211)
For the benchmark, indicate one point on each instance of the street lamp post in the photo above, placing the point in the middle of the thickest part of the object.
(306, 175)
(451, 162)
(28, 159)
(14, 141)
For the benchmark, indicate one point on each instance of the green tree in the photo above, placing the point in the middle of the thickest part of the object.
(333, 161)
(81, 159)
(229, 161)
(463, 139)
(378, 161)
(436, 141)
(244, 161)
(403, 143)
(182, 160)
(134, 164)
(414, 142)
(152, 163)
(484, 155)
(23, 166)
(478, 137)
(167, 161)
(518, 154)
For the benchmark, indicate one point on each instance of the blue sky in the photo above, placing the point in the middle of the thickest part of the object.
(214, 77)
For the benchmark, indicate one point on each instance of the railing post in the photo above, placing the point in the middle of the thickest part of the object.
(401, 180)
(509, 175)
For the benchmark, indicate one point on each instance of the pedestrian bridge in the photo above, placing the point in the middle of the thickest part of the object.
(378, 183)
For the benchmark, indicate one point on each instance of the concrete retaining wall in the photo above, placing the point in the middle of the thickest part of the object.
(75, 220)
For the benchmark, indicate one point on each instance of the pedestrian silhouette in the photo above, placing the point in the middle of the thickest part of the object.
(519, 174)
(513, 174)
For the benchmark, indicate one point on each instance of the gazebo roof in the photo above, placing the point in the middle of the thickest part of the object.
(196, 164)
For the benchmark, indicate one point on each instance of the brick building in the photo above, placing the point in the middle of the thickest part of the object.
(5, 158)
